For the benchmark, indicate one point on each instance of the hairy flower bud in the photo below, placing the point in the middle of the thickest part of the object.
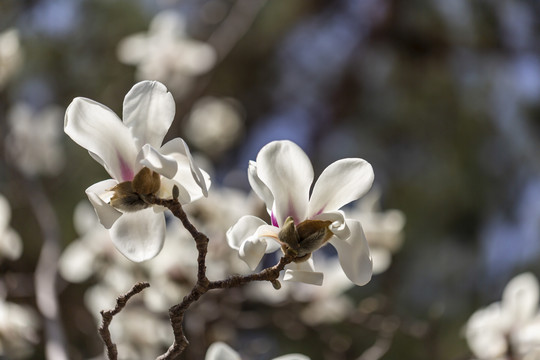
(302, 239)
(129, 195)
(146, 182)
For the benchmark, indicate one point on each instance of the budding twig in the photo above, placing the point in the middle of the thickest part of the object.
(203, 285)
(107, 316)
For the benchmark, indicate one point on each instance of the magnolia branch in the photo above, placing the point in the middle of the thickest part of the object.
(107, 316)
(203, 285)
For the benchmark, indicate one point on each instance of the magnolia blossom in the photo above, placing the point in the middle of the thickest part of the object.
(166, 53)
(33, 142)
(214, 124)
(10, 241)
(509, 327)
(10, 55)
(301, 223)
(222, 351)
(132, 154)
(18, 330)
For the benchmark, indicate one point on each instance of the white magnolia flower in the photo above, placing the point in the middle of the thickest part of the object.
(511, 326)
(18, 330)
(383, 229)
(10, 241)
(222, 351)
(282, 177)
(166, 53)
(214, 124)
(33, 142)
(92, 253)
(132, 154)
(10, 55)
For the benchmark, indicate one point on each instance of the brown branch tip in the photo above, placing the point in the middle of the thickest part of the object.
(107, 317)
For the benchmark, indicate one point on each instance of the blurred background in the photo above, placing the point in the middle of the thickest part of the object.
(441, 97)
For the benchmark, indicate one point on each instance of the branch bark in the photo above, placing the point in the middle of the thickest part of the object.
(203, 285)
(107, 316)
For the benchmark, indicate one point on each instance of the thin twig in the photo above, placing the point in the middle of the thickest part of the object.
(107, 316)
(203, 285)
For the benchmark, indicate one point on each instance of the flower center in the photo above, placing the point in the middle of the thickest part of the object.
(130, 195)
(302, 239)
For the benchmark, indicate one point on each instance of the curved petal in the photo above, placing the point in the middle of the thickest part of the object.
(149, 112)
(381, 258)
(520, 298)
(292, 357)
(339, 225)
(485, 332)
(132, 49)
(259, 187)
(5, 213)
(353, 253)
(11, 245)
(221, 351)
(97, 129)
(245, 227)
(152, 159)
(252, 251)
(76, 264)
(139, 235)
(287, 172)
(188, 174)
(97, 195)
(270, 234)
(308, 277)
(340, 183)
(303, 272)
(166, 191)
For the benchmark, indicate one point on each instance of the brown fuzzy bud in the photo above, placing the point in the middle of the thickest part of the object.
(129, 195)
(288, 235)
(146, 182)
(313, 234)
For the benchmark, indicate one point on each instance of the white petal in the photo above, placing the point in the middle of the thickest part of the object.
(270, 234)
(287, 172)
(252, 251)
(197, 57)
(5, 213)
(84, 217)
(97, 195)
(149, 111)
(245, 227)
(77, 262)
(188, 174)
(340, 183)
(520, 298)
(303, 272)
(353, 253)
(221, 351)
(139, 235)
(258, 186)
(11, 245)
(132, 49)
(526, 339)
(339, 225)
(292, 357)
(381, 259)
(152, 159)
(486, 332)
(308, 277)
(166, 188)
(97, 129)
